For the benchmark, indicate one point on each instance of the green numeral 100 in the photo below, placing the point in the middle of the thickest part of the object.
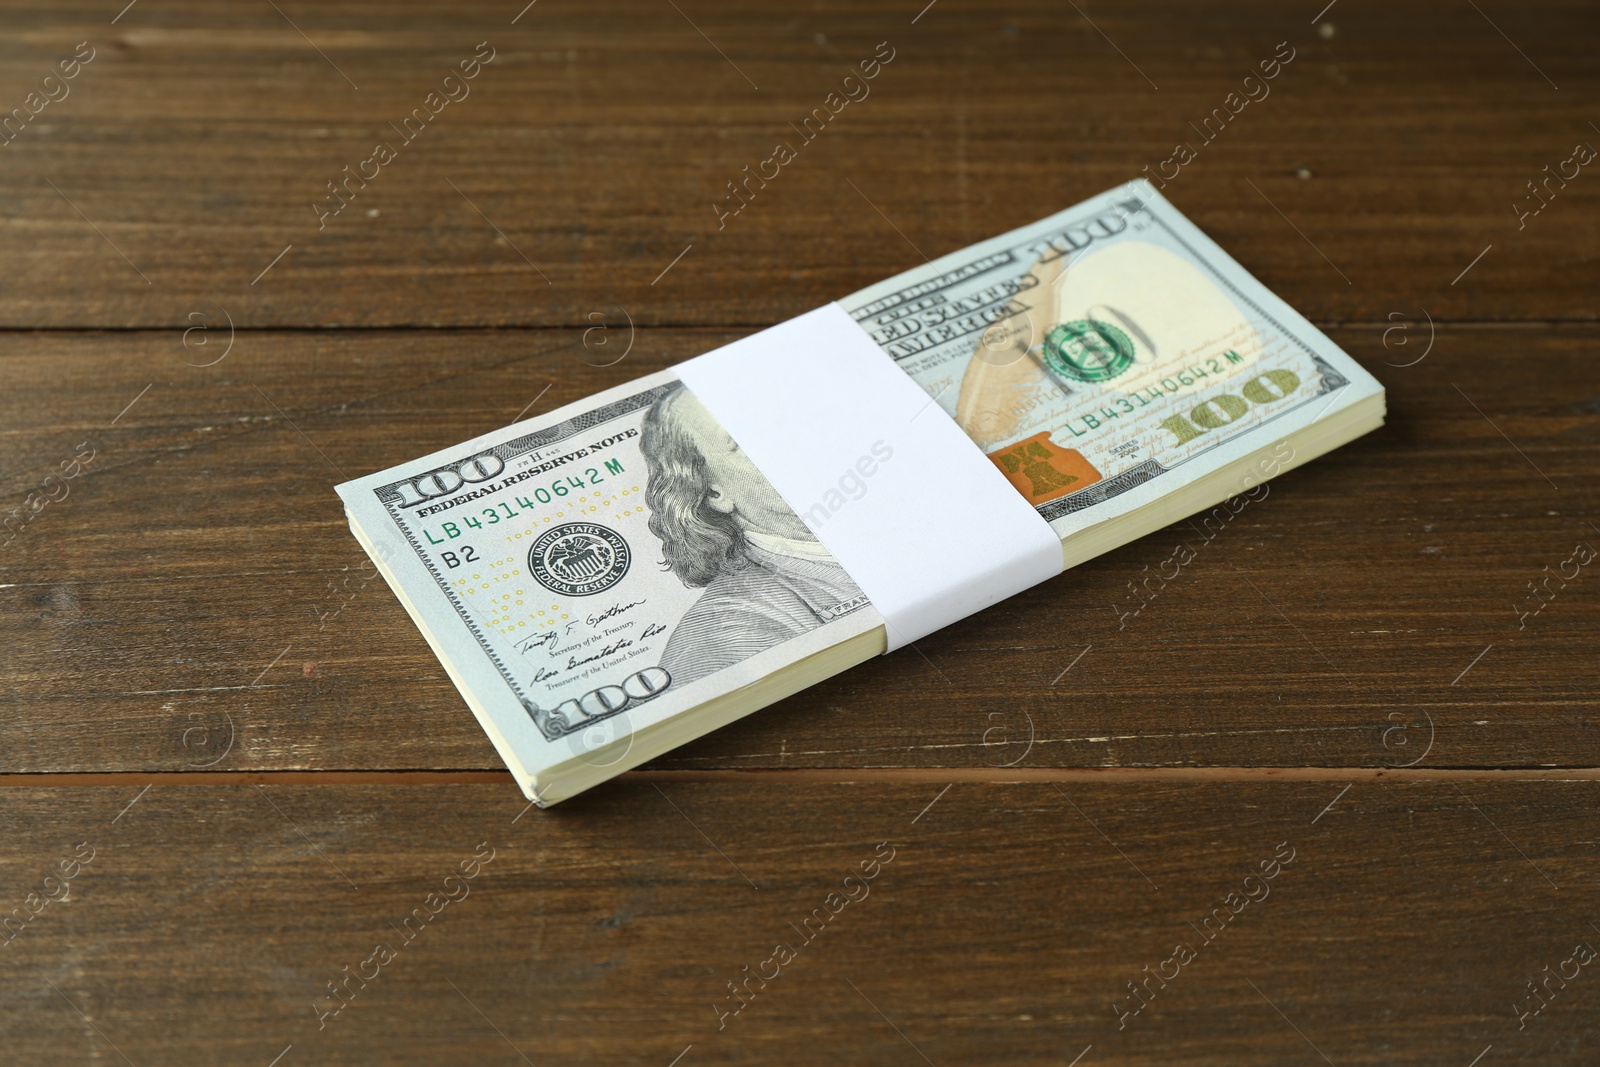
(1224, 408)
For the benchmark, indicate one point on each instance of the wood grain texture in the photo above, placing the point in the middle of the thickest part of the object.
(201, 686)
(1003, 929)
(174, 599)
(589, 154)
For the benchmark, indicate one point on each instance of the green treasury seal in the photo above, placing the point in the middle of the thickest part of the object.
(1087, 350)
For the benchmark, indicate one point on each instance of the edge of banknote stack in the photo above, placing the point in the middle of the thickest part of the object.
(610, 580)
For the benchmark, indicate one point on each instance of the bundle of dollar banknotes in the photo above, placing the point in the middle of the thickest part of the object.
(627, 573)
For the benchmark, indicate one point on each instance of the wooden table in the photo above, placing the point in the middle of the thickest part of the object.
(261, 782)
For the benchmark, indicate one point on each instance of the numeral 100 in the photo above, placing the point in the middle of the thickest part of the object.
(610, 699)
(449, 479)
(1217, 411)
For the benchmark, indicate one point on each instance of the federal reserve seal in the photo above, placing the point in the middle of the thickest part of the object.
(1088, 350)
(579, 559)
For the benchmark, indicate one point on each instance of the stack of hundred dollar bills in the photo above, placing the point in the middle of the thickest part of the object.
(615, 578)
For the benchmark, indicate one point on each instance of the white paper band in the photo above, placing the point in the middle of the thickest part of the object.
(920, 518)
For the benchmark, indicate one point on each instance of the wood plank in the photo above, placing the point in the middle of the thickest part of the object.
(1360, 615)
(1003, 930)
(189, 153)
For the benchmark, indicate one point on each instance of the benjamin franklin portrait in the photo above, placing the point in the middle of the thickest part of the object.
(724, 529)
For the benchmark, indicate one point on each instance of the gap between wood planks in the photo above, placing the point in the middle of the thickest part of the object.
(822, 776)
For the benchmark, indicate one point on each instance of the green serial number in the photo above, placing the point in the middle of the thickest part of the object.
(543, 494)
(1172, 383)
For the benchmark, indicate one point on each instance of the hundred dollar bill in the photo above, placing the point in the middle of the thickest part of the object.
(1109, 354)
(614, 578)
(589, 576)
